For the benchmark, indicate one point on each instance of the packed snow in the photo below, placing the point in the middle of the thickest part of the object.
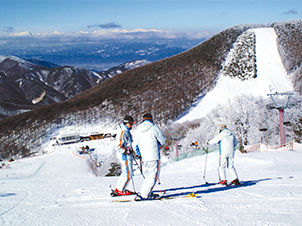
(271, 78)
(59, 189)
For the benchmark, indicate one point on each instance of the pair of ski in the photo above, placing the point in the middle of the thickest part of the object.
(161, 196)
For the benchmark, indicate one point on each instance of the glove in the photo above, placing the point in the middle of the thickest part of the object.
(128, 151)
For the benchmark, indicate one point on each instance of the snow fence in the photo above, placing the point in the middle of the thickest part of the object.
(190, 154)
(257, 147)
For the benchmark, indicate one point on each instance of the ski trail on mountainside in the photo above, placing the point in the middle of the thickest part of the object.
(269, 64)
(271, 77)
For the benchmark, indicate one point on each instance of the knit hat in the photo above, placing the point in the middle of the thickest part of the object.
(222, 126)
(147, 117)
(128, 119)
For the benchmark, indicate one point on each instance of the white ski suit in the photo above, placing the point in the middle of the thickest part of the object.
(147, 139)
(123, 142)
(227, 143)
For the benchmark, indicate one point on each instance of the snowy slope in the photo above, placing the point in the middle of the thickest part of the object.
(58, 189)
(271, 78)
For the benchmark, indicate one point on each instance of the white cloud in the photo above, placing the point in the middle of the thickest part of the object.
(24, 33)
(138, 33)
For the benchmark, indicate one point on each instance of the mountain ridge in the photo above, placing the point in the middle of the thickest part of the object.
(21, 81)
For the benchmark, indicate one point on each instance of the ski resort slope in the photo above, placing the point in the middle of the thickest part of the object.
(59, 189)
(271, 78)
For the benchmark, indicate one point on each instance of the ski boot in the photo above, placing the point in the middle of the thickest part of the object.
(236, 182)
(117, 192)
(223, 182)
(152, 197)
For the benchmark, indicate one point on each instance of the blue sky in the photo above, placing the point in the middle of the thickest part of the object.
(180, 15)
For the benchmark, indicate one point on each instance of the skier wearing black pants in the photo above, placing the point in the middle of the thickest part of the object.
(227, 143)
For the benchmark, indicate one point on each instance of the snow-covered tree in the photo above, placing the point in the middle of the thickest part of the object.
(246, 117)
(241, 61)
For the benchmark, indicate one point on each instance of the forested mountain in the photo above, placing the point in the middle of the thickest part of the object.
(166, 88)
(31, 83)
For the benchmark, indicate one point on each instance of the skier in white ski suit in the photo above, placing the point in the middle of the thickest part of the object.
(123, 147)
(227, 143)
(147, 139)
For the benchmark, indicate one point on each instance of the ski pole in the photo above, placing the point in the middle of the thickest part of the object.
(140, 166)
(205, 163)
(219, 167)
(205, 166)
(134, 157)
(158, 179)
(132, 170)
(133, 184)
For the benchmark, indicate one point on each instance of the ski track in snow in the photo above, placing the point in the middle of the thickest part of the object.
(64, 192)
(271, 78)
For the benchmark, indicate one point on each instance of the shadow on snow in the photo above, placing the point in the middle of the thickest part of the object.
(7, 194)
(210, 188)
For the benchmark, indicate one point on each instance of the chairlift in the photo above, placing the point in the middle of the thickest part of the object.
(281, 102)
(270, 106)
(176, 135)
(263, 127)
(286, 123)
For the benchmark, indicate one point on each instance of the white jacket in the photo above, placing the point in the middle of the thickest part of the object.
(147, 139)
(227, 142)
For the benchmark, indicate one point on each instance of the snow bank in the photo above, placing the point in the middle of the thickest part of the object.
(297, 146)
(285, 147)
(262, 148)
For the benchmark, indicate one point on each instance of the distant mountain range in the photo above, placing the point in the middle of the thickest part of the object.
(31, 83)
(94, 55)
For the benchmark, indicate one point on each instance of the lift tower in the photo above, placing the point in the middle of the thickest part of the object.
(280, 102)
(176, 135)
